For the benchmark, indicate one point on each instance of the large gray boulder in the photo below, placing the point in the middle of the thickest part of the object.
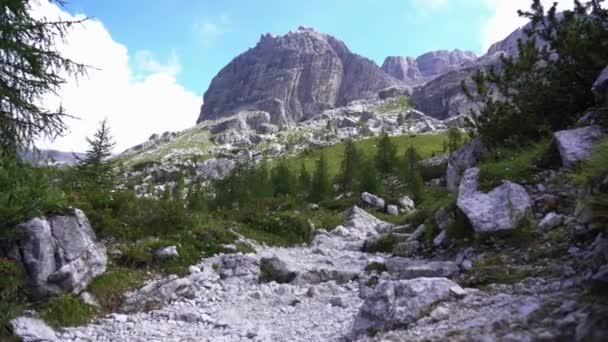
(461, 160)
(31, 329)
(275, 269)
(157, 294)
(373, 201)
(397, 304)
(59, 253)
(293, 77)
(577, 144)
(498, 210)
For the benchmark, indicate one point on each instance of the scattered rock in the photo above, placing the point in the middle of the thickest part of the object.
(274, 269)
(498, 210)
(407, 249)
(441, 240)
(30, 329)
(89, 299)
(577, 144)
(445, 217)
(407, 204)
(392, 209)
(440, 313)
(417, 234)
(550, 221)
(372, 201)
(337, 301)
(157, 294)
(236, 265)
(167, 253)
(397, 304)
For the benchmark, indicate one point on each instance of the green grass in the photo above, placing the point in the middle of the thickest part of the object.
(398, 104)
(515, 165)
(67, 310)
(109, 287)
(425, 144)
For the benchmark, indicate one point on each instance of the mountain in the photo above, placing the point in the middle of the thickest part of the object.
(294, 77)
(50, 157)
(416, 71)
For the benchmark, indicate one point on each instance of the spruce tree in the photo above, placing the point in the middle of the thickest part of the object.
(350, 167)
(180, 187)
(95, 170)
(320, 187)
(282, 181)
(261, 184)
(369, 181)
(411, 176)
(304, 181)
(386, 155)
(455, 139)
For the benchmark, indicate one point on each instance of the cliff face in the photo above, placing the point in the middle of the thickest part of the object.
(416, 71)
(293, 77)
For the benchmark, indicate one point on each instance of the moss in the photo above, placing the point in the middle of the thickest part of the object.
(383, 244)
(378, 267)
(67, 310)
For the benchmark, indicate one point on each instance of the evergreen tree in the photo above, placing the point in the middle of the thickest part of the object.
(455, 139)
(30, 68)
(167, 193)
(320, 187)
(261, 184)
(401, 119)
(350, 167)
(547, 85)
(196, 200)
(304, 181)
(411, 176)
(386, 155)
(369, 181)
(95, 171)
(180, 187)
(282, 181)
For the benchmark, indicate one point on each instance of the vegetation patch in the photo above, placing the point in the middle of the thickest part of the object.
(397, 104)
(67, 310)
(109, 287)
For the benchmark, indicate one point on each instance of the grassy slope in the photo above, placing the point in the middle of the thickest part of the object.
(425, 144)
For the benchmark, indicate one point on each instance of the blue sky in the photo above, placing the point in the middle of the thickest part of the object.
(154, 59)
(206, 35)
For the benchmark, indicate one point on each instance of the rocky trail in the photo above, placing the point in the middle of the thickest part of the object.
(332, 291)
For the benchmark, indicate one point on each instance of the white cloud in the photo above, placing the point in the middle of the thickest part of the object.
(208, 30)
(137, 101)
(505, 18)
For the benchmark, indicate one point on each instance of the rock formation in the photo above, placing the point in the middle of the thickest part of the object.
(293, 77)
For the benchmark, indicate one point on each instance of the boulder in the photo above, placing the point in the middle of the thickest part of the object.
(373, 201)
(441, 240)
(462, 160)
(417, 234)
(238, 265)
(600, 87)
(59, 253)
(397, 304)
(392, 209)
(165, 253)
(407, 203)
(577, 144)
(498, 210)
(157, 294)
(550, 221)
(30, 329)
(274, 269)
(215, 168)
(405, 268)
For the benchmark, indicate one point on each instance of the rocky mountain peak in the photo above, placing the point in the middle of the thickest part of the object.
(294, 77)
(416, 71)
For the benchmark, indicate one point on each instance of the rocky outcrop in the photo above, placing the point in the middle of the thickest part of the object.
(59, 253)
(501, 209)
(373, 201)
(293, 77)
(577, 144)
(215, 168)
(404, 268)
(600, 87)
(462, 160)
(415, 71)
(397, 304)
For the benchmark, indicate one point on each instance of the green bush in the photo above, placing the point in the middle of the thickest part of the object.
(289, 228)
(109, 287)
(12, 292)
(67, 310)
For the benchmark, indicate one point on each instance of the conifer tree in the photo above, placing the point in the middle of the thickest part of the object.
(320, 187)
(304, 181)
(386, 155)
(455, 139)
(282, 181)
(369, 180)
(95, 171)
(350, 167)
(411, 176)
(180, 187)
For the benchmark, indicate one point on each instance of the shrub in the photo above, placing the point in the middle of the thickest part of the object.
(289, 228)
(67, 310)
(12, 292)
(109, 287)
